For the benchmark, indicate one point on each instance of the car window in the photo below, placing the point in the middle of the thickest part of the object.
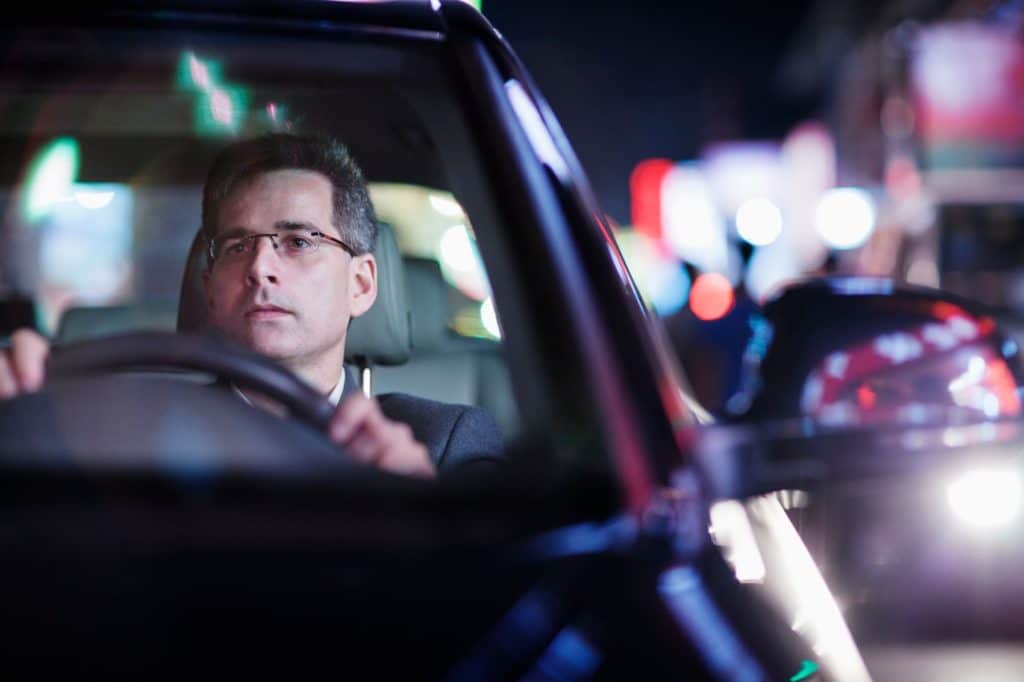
(107, 137)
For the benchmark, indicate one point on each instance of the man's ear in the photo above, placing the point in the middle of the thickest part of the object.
(362, 284)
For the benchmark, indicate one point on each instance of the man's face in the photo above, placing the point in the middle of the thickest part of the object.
(294, 310)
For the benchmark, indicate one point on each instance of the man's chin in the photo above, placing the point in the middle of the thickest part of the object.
(275, 345)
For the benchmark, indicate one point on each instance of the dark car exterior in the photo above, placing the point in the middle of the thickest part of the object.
(594, 563)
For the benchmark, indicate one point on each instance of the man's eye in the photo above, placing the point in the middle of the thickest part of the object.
(298, 243)
(234, 248)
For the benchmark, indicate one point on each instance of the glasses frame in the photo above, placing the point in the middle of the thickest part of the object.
(212, 242)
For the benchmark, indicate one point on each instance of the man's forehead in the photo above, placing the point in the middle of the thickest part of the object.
(261, 201)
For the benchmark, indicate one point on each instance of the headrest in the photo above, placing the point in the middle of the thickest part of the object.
(379, 337)
(429, 302)
(89, 322)
(382, 336)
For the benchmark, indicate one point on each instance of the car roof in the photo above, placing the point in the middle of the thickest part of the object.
(384, 131)
(414, 15)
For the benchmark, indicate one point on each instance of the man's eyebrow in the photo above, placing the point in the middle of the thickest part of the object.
(233, 232)
(296, 225)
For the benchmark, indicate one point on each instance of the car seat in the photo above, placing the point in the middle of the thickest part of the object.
(80, 323)
(445, 366)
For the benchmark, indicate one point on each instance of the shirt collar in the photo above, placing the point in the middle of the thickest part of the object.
(333, 397)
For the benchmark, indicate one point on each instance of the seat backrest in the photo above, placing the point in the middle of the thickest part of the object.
(379, 337)
(445, 366)
(80, 323)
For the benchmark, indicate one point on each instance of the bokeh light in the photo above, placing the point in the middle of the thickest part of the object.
(461, 264)
(489, 318)
(986, 499)
(50, 177)
(197, 75)
(660, 277)
(221, 110)
(693, 226)
(845, 217)
(93, 199)
(645, 188)
(738, 171)
(711, 297)
(85, 250)
(445, 205)
(759, 221)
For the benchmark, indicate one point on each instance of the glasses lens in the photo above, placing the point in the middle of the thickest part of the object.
(227, 247)
(290, 244)
(299, 242)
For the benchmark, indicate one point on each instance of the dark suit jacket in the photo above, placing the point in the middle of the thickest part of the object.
(458, 437)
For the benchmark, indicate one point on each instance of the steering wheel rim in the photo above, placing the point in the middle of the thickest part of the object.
(215, 355)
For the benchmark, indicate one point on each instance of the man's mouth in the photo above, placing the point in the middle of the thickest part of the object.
(266, 312)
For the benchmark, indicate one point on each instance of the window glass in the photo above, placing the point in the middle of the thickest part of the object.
(106, 138)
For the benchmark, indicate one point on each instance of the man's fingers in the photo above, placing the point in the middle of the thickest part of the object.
(349, 417)
(364, 447)
(413, 461)
(28, 352)
(370, 437)
(8, 383)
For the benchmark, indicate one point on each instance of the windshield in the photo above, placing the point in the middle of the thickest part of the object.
(108, 136)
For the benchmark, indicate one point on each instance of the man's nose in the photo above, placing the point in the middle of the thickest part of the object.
(264, 261)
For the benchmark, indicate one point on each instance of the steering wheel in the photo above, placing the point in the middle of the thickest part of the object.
(223, 358)
(91, 413)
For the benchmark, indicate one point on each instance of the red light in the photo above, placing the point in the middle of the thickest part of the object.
(902, 180)
(943, 310)
(711, 296)
(1000, 379)
(645, 193)
(866, 398)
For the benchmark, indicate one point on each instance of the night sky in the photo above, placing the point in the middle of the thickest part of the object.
(645, 78)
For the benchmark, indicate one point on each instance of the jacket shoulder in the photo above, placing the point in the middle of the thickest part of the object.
(453, 434)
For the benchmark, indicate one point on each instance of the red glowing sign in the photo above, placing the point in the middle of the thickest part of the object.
(645, 190)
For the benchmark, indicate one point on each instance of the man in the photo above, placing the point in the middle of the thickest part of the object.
(291, 230)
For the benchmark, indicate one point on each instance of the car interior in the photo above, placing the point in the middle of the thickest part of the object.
(140, 125)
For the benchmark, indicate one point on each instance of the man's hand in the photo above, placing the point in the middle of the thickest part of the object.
(370, 437)
(22, 365)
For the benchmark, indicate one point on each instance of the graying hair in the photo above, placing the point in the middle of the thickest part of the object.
(353, 214)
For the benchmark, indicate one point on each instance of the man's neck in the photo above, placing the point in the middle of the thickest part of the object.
(323, 376)
(325, 388)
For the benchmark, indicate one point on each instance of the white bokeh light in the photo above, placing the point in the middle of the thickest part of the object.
(986, 499)
(461, 264)
(446, 206)
(694, 228)
(759, 221)
(93, 200)
(457, 250)
(489, 318)
(845, 217)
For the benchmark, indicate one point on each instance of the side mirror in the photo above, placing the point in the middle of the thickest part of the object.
(851, 378)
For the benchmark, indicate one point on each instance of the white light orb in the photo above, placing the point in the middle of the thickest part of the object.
(759, 221)
(845, 217)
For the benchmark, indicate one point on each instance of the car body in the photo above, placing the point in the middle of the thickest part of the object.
(592, 558)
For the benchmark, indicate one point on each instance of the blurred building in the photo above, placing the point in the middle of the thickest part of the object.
(912, 168)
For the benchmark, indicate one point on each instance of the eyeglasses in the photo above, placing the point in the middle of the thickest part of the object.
(295, 244)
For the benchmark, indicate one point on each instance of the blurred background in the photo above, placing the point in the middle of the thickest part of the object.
(734, 146)
(738, 145)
